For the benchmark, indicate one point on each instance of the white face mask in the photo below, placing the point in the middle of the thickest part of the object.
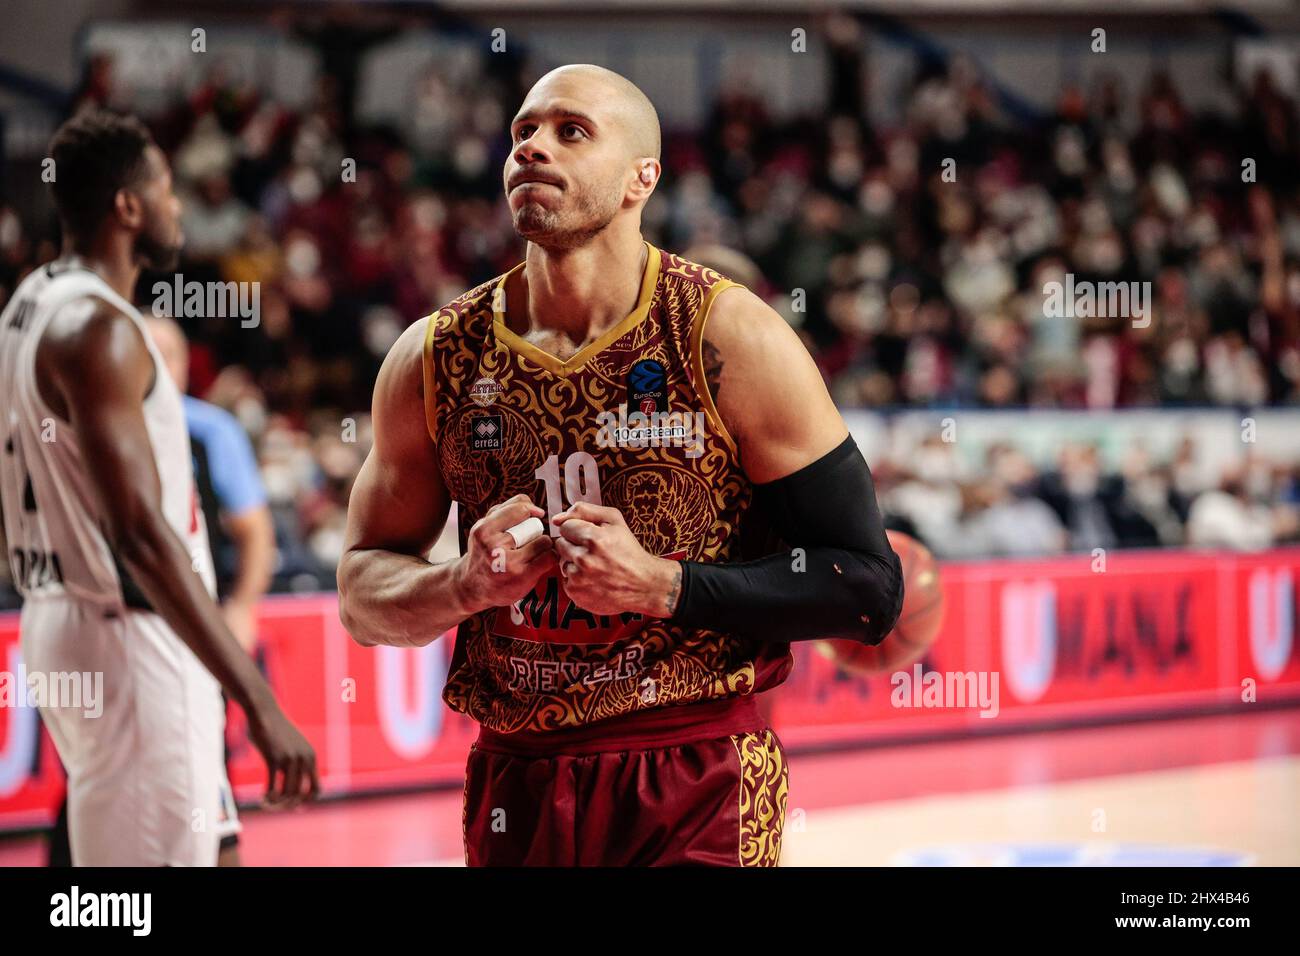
(278, 480)
(11, 230)
(934, 466)
(304, 186)
(302, 258)
(251, 414)
(1081, 481)
(874, 262)
(1259, 482)
(1150, 491)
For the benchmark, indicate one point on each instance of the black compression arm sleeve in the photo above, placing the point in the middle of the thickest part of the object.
(841, 578)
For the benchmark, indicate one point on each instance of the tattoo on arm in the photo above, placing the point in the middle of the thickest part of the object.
(712, 368)
(674, 591)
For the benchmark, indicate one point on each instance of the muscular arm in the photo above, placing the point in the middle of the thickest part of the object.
(810, 479)
(767, 388)
(101, 371)
(388, 592)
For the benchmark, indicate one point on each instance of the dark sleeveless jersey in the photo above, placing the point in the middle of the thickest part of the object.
(627, 422)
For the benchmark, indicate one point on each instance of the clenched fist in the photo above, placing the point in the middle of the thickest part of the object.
(493, 572)
(605, 569)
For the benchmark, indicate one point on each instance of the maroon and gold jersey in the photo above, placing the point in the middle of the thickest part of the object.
(627, 422)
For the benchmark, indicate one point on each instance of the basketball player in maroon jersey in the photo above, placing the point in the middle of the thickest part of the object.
(668, 427)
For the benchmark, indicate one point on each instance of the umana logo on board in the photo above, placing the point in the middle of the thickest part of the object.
(1029, 637)
(1272, 620)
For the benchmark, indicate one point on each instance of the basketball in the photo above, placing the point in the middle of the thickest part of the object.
(918, 623)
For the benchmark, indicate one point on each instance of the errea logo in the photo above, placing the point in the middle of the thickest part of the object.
(485, 433)
(103, 909)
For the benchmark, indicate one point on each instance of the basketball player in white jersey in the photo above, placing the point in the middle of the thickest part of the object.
(106, 541)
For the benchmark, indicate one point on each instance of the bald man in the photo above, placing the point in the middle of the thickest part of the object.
(622, 429)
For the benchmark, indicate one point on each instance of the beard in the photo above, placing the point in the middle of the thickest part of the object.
(157, 254)
(562, 228)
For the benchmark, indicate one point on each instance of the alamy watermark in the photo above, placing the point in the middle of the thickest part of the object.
(132, 911)
(178, 299)
(946, 689)
(80, 690)
(671, 429)
(1085, 300)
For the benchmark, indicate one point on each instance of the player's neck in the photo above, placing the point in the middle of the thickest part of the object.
(583, 292)
(112, 261)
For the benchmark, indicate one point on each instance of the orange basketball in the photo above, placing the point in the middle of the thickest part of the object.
(918, 622)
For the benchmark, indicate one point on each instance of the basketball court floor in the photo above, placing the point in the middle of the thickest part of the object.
(1204, 791)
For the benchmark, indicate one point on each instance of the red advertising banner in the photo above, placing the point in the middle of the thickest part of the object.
(1023, 642)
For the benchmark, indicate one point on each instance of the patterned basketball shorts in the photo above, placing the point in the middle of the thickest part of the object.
(717, 802)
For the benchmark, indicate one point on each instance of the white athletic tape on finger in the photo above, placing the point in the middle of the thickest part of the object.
(526, 531)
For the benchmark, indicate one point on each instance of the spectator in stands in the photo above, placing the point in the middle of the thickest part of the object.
(1227, 517)
(214, 219)
(1007, 522)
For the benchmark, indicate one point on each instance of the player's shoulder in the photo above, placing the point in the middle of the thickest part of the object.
(468, 314)
(730, 309)
(405, 356)
(93, 329)
(675, 269)
(73, 293)
(740, 318)
(93, 349)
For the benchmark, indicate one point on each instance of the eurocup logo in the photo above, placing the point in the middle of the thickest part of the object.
(647, 376)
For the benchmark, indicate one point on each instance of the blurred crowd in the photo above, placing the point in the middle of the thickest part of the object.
(911, 258)
(933, 292)
(1007, 506)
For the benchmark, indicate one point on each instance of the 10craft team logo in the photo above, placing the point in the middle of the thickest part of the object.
(624, 429)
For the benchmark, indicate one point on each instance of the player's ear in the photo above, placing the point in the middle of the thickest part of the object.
(648, 171)
(129, 208)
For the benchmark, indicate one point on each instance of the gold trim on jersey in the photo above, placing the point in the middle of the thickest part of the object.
(426, 362)
(516, 343)
(697, 363)
(763, 792)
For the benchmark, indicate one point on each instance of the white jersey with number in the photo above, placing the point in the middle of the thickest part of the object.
(146, 781)
(53, 523)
